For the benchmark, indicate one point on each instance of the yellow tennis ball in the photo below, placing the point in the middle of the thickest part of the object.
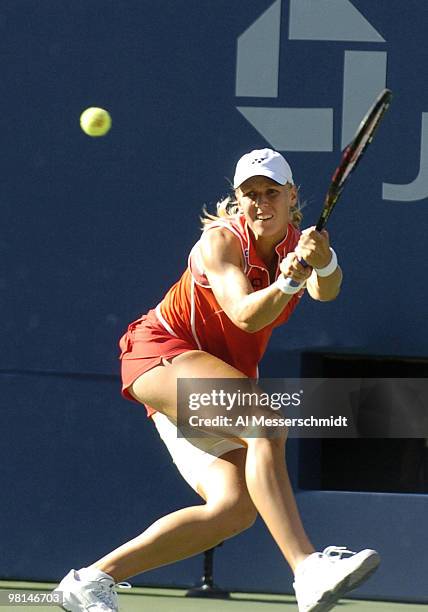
(95, 121)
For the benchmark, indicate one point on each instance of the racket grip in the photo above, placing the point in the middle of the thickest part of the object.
(292, 283)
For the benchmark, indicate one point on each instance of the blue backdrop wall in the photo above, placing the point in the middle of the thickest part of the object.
(95, 230)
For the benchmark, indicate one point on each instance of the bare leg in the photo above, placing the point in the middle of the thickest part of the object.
(171, 538)
(265, 471)
(192, 530)
(270, 489)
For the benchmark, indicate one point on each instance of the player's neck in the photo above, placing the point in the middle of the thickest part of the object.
(265, 247)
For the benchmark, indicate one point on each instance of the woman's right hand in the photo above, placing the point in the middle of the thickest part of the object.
(291, 267)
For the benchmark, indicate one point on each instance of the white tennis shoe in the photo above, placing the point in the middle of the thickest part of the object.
(323, 578)
(89, 589)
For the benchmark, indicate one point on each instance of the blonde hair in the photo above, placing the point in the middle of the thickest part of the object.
(228, 207)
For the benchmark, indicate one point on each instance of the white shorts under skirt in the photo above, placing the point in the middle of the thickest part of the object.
(191, 456)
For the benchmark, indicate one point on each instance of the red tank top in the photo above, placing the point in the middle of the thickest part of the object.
(190, 310)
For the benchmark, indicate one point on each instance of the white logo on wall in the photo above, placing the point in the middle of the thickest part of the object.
(311, 129)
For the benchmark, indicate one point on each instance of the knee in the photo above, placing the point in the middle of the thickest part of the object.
(244, 515)
(235, 516)
(241, 516)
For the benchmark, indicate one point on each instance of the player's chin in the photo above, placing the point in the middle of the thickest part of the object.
(270, 227)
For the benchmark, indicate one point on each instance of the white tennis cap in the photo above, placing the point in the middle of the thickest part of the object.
(264, 162)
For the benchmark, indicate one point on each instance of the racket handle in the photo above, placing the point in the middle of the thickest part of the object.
(289, 282)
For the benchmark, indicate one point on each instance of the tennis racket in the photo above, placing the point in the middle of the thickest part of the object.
(350, 159)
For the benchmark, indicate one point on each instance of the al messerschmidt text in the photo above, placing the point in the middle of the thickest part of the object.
(257, 421)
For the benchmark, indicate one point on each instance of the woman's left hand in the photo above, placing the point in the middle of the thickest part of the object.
(314, 247)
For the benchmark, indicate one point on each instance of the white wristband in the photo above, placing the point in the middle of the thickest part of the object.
(283, 284)
(329, 268)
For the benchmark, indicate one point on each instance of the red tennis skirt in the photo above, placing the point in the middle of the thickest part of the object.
(143, 347)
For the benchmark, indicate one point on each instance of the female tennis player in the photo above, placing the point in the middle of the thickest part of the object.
(215, 322)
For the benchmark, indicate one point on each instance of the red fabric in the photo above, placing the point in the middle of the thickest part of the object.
(190, 318)
(212, 330)
(143, 346)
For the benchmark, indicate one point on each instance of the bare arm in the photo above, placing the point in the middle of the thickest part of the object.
(327, 288)
(248, 309)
